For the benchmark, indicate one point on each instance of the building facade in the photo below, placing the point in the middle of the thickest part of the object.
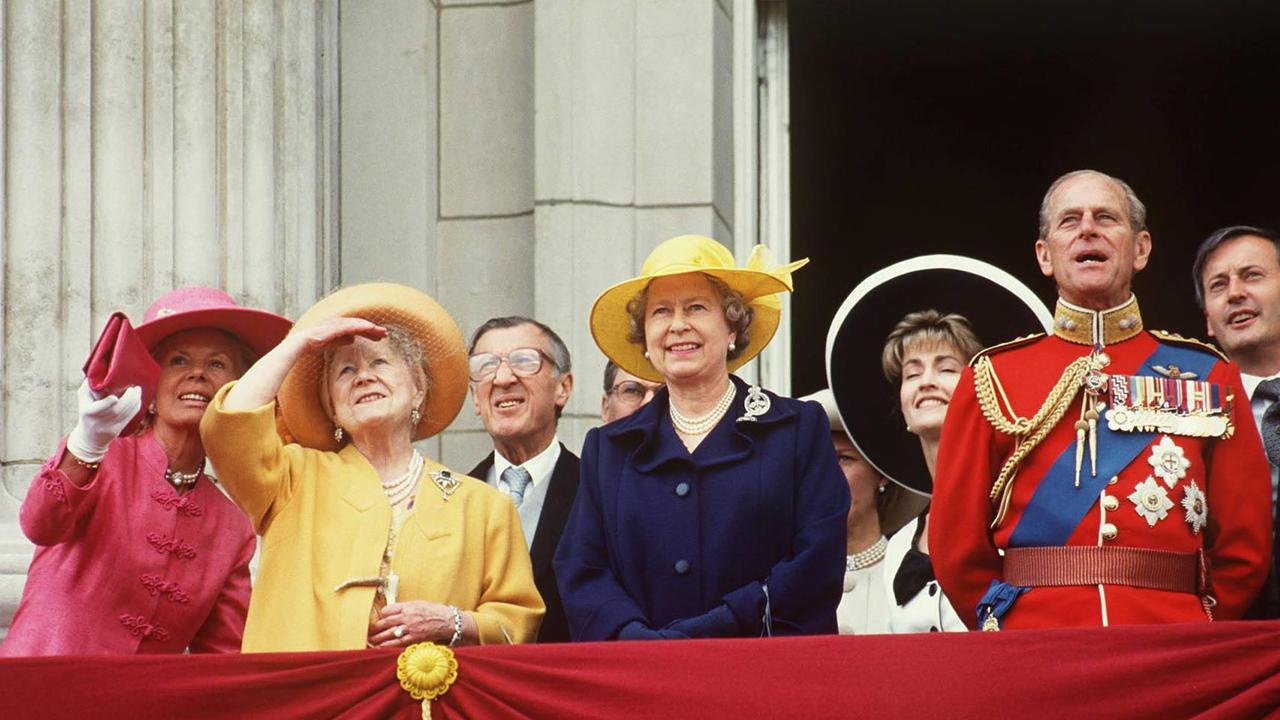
(506, 157)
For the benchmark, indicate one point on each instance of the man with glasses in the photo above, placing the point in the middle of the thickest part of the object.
(624, 393)
(520, 383)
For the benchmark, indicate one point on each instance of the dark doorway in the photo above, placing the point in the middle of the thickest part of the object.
(924, 127)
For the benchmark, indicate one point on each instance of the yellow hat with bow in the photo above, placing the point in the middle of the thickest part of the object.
(759, 281)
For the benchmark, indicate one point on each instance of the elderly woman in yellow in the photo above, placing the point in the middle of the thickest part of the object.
(366, 542)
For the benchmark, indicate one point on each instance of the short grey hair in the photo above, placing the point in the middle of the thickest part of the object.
(1136, 210)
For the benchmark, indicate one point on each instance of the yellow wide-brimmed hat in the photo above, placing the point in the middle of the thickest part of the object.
(759, 281)
(443, 349)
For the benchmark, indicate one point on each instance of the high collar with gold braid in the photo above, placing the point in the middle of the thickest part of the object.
(1097, 327)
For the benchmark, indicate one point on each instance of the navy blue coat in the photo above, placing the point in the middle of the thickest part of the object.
(707, 544)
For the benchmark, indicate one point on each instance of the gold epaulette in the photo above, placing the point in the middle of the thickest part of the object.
(1005, 346)
(1177, 339)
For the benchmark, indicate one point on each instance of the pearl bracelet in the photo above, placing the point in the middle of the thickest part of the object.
(457, 625)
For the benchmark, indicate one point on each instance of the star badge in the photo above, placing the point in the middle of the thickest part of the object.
(1169, 461)
(1151, 501)
(1193, 501)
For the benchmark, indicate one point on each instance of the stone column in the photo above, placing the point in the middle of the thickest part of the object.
(146, 146)
(438, 156)
(634, 139)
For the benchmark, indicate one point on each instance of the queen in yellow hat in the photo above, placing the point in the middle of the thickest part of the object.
(718, 509)
(365, 541)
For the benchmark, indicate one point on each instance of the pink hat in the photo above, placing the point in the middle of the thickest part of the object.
(203, 307)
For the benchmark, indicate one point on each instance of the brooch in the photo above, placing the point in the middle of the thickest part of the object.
(756, 404)
(447, 483)
(1151, 501)
(1193, 501)
(1169, 461)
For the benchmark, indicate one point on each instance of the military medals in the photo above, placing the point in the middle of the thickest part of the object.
(1193, 501)
(1168, 461)
(1170, 405)
(1151, 501)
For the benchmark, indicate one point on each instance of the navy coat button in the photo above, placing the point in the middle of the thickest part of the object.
(682, 567)
(682, 489)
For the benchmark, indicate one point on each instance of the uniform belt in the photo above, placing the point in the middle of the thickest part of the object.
(1082, 565)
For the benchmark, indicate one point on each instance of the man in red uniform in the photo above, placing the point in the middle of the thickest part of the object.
(1104, 474)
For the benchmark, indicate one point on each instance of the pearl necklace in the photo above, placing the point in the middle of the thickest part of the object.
(401, 488)
(866, 558)
(184, 481)
(703, 425)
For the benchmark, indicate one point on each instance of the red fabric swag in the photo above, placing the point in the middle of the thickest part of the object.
(1211, 670)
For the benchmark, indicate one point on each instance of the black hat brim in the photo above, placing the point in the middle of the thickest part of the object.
(998, 306)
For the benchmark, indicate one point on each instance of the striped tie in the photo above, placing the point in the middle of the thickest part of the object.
(517, 479)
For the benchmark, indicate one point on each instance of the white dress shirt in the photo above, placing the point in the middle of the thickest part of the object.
(540, 467)
(1259, 407)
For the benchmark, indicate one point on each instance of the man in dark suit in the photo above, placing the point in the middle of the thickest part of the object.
(520, 382)
(1237, 272)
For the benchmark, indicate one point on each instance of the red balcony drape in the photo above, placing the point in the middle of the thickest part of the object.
(1219, 670)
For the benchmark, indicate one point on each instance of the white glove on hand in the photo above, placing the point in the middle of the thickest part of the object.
(101, 421)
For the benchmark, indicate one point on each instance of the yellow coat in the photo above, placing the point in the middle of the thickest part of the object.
(324, 519)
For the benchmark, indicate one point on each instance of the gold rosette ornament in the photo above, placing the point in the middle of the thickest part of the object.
(426, 670)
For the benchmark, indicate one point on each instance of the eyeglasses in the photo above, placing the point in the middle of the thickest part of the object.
(522, 361)
(630, 392)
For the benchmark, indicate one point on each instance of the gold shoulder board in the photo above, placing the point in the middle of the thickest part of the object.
(1005, 346)
(1176, 339)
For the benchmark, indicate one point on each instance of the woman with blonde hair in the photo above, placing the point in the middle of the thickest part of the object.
(897, 425)
(923, 356)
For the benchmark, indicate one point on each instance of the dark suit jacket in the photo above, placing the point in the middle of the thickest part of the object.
(555, 513)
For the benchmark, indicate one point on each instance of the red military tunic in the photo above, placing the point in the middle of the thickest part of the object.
(1232, 473)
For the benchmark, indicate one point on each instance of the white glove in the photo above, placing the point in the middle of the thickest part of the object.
(101, 421)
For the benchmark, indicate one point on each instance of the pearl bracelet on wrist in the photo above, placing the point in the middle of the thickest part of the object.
(457, 625)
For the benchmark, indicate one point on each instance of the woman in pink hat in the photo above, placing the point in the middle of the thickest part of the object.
(137, 550)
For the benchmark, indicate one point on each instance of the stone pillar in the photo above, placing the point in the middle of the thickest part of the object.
(146, 146)
(486, 237)
(438, 156)
(634, 139)
(513, 157)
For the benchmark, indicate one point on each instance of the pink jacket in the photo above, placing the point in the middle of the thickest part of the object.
(126, 565)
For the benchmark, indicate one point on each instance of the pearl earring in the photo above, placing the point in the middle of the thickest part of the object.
(414, 416)
(732, 346)
(646, 354)
(882, 487)
(338, 434)
(151, 409)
